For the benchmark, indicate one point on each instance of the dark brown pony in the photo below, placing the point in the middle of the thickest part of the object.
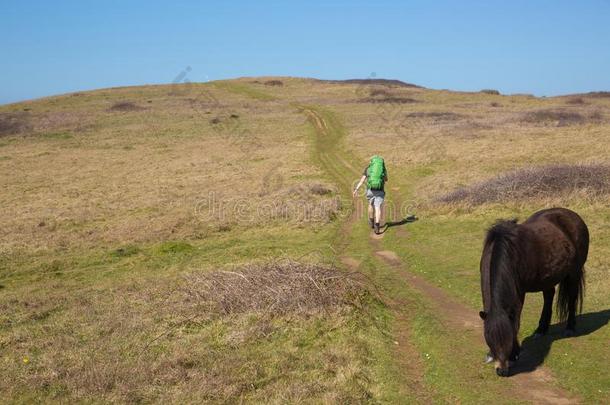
(549, 248)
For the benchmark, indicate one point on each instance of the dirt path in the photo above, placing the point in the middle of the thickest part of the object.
(406, 355)
(536, 387)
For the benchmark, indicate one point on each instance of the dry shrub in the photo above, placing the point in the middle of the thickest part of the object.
(274, 83)
(379, 92)
(389, 99)
(275, 288)
(491, 91)
(535, 182)
(320, 189)
(436, 115)
(381, 82)
(14, 123)
(559, 117)
(381, 95)
(125, 106)
(575, 101)
(495, 104)
(304, 190)
(599, 94)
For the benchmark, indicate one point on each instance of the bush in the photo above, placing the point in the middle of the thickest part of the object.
(274, 288)
(575, 101)
(123, 106)
(274, 83)
(491, 91)
(535, 182)
(14, 123)
(558, 117)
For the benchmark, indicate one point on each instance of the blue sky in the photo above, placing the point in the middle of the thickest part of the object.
(540, 47)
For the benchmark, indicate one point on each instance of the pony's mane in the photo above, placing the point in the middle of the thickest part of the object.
(503, 287)
(505, 262)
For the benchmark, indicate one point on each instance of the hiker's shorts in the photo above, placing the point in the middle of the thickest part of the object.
(375, 197)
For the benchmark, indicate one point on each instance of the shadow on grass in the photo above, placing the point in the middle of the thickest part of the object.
(406, 220)
(534, 350)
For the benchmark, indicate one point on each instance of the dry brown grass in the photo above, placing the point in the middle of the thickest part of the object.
(536, 182)
(152, 176)
(254, 331)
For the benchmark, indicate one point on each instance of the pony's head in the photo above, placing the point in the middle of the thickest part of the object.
(501, 296)
(501, 337)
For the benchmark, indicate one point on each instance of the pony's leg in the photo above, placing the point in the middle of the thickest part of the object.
(547, 312)
(514, 355)
(571, 324)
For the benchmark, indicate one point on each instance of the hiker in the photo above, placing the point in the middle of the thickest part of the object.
(375, 175)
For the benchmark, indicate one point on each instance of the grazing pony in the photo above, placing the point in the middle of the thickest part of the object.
(549, 248)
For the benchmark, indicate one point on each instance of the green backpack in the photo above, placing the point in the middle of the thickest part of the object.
(376, 172)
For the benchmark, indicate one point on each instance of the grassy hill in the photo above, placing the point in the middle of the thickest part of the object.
(199, 242)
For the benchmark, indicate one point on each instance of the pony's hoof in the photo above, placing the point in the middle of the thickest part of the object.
(488, 358)
(569, 333)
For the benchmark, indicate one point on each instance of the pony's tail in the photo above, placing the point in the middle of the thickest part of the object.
(571, 287)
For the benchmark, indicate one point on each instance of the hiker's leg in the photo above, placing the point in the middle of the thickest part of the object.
(378, 212)
(379, 199)
(371, 210)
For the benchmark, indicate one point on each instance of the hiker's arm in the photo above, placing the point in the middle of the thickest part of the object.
(362, 179)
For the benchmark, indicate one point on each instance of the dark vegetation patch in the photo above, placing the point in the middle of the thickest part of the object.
(126, 251)
(377, 92)
(599, 94)
(57, 135)
(575, 101)
(174, 248)
(14, 123)
(381, 95)
(276, 288)
(390, 99)
(314, 188)
(125, 106)
(491, 91)
(278, 83)
(381, 82)
(560, 118)
(535, 182)
(495, 104)
(436, 115)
